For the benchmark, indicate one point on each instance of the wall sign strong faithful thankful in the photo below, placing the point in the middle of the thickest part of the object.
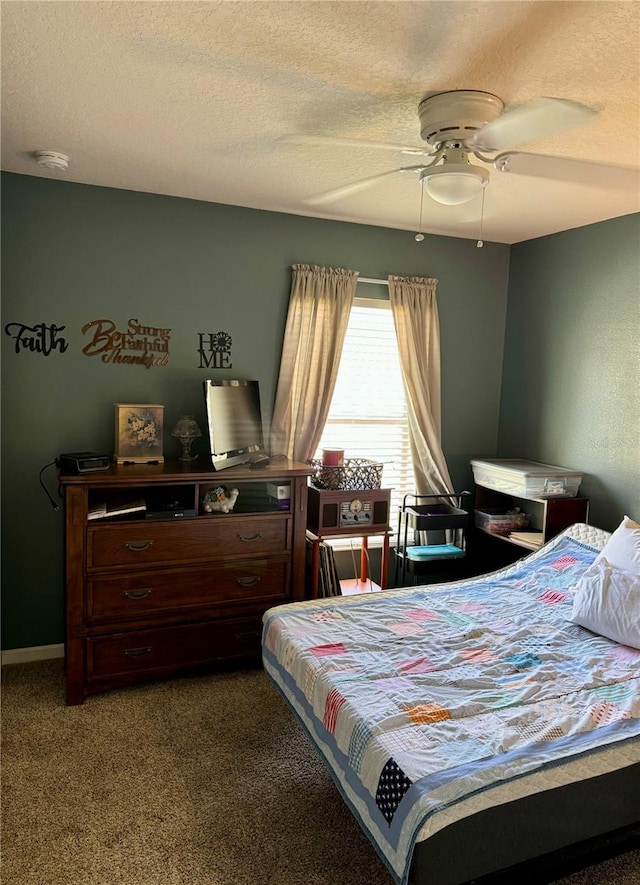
(139, 344)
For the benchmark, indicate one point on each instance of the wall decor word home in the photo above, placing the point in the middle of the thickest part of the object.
(138, 345)
(42, 338)
(215, 350)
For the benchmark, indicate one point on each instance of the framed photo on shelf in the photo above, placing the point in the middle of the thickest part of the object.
(139, 433)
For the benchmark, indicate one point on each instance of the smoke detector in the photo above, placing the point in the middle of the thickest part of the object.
(53, 160)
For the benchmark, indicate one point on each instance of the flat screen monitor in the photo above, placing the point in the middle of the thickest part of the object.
(235, 422)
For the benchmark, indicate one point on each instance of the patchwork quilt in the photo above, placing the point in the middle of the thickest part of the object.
(420, 698)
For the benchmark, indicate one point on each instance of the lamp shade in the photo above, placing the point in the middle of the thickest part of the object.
(186, 428)
(454, 183)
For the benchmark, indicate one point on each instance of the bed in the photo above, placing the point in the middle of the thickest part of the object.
(468, 726)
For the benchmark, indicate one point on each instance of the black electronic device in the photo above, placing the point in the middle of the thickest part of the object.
(82, 462)
(171, 511)
(169, 504)
(259, 461)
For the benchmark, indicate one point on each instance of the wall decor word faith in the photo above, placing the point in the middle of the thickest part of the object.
(138, 345)
(42, 338)
(215, 350)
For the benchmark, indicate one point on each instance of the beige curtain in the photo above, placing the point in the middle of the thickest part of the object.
(321, 300)
(415, 314)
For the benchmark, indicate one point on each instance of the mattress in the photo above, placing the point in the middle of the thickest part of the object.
(432, 705)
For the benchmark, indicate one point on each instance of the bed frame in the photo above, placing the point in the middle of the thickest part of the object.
(535, 833)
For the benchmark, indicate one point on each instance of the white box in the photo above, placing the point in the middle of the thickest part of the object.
(527, 479)
(278, 492)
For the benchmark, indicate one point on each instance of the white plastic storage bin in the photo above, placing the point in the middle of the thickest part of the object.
(527, 479)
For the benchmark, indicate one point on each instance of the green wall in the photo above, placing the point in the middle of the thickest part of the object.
(73, 253)
(571, 382)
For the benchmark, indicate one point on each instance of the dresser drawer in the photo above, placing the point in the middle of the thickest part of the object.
(164, 649)
(145, 593)
(151, 543)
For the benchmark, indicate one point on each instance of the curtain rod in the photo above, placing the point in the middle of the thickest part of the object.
(370, 280)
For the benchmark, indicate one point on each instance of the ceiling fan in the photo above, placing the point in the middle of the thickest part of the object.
(462, 124)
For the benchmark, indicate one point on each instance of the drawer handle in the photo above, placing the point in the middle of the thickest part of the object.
(138, 593)
(243, 637)
(250, 537)
(249, 581)
(137, 652)
(138, 545)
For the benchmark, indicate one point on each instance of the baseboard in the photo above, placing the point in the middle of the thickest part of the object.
(35, 653)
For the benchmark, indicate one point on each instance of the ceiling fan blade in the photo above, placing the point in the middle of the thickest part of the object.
(354, 143)
(355, 187)
(535, 119)
(566, 169)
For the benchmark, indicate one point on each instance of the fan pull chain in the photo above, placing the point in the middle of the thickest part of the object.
(480, 242)
(420, 236)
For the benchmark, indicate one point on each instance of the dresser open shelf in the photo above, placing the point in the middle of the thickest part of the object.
(160, 586)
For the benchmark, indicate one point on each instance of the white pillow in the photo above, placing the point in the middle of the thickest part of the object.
(622, 550)
(607, 601)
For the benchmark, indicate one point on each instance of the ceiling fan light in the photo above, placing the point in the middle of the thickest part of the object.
(453, 186)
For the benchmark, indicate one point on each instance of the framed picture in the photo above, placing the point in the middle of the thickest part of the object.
(139, 433)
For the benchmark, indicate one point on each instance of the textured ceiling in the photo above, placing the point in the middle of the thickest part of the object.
(197, 99)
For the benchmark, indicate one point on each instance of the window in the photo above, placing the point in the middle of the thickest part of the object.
(368, 415)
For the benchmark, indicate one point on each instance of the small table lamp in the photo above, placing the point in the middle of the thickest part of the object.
(186, 430)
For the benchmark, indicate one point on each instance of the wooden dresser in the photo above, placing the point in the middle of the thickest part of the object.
(169, 587)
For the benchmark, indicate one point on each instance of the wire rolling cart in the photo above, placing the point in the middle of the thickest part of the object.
(431, 528)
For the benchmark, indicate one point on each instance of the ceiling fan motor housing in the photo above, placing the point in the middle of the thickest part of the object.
(454, 116)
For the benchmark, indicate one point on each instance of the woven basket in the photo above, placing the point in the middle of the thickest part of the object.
(355, 473)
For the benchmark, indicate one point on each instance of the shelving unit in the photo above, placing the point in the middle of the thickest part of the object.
(430, 530)
(169, 588)
(549, 516)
